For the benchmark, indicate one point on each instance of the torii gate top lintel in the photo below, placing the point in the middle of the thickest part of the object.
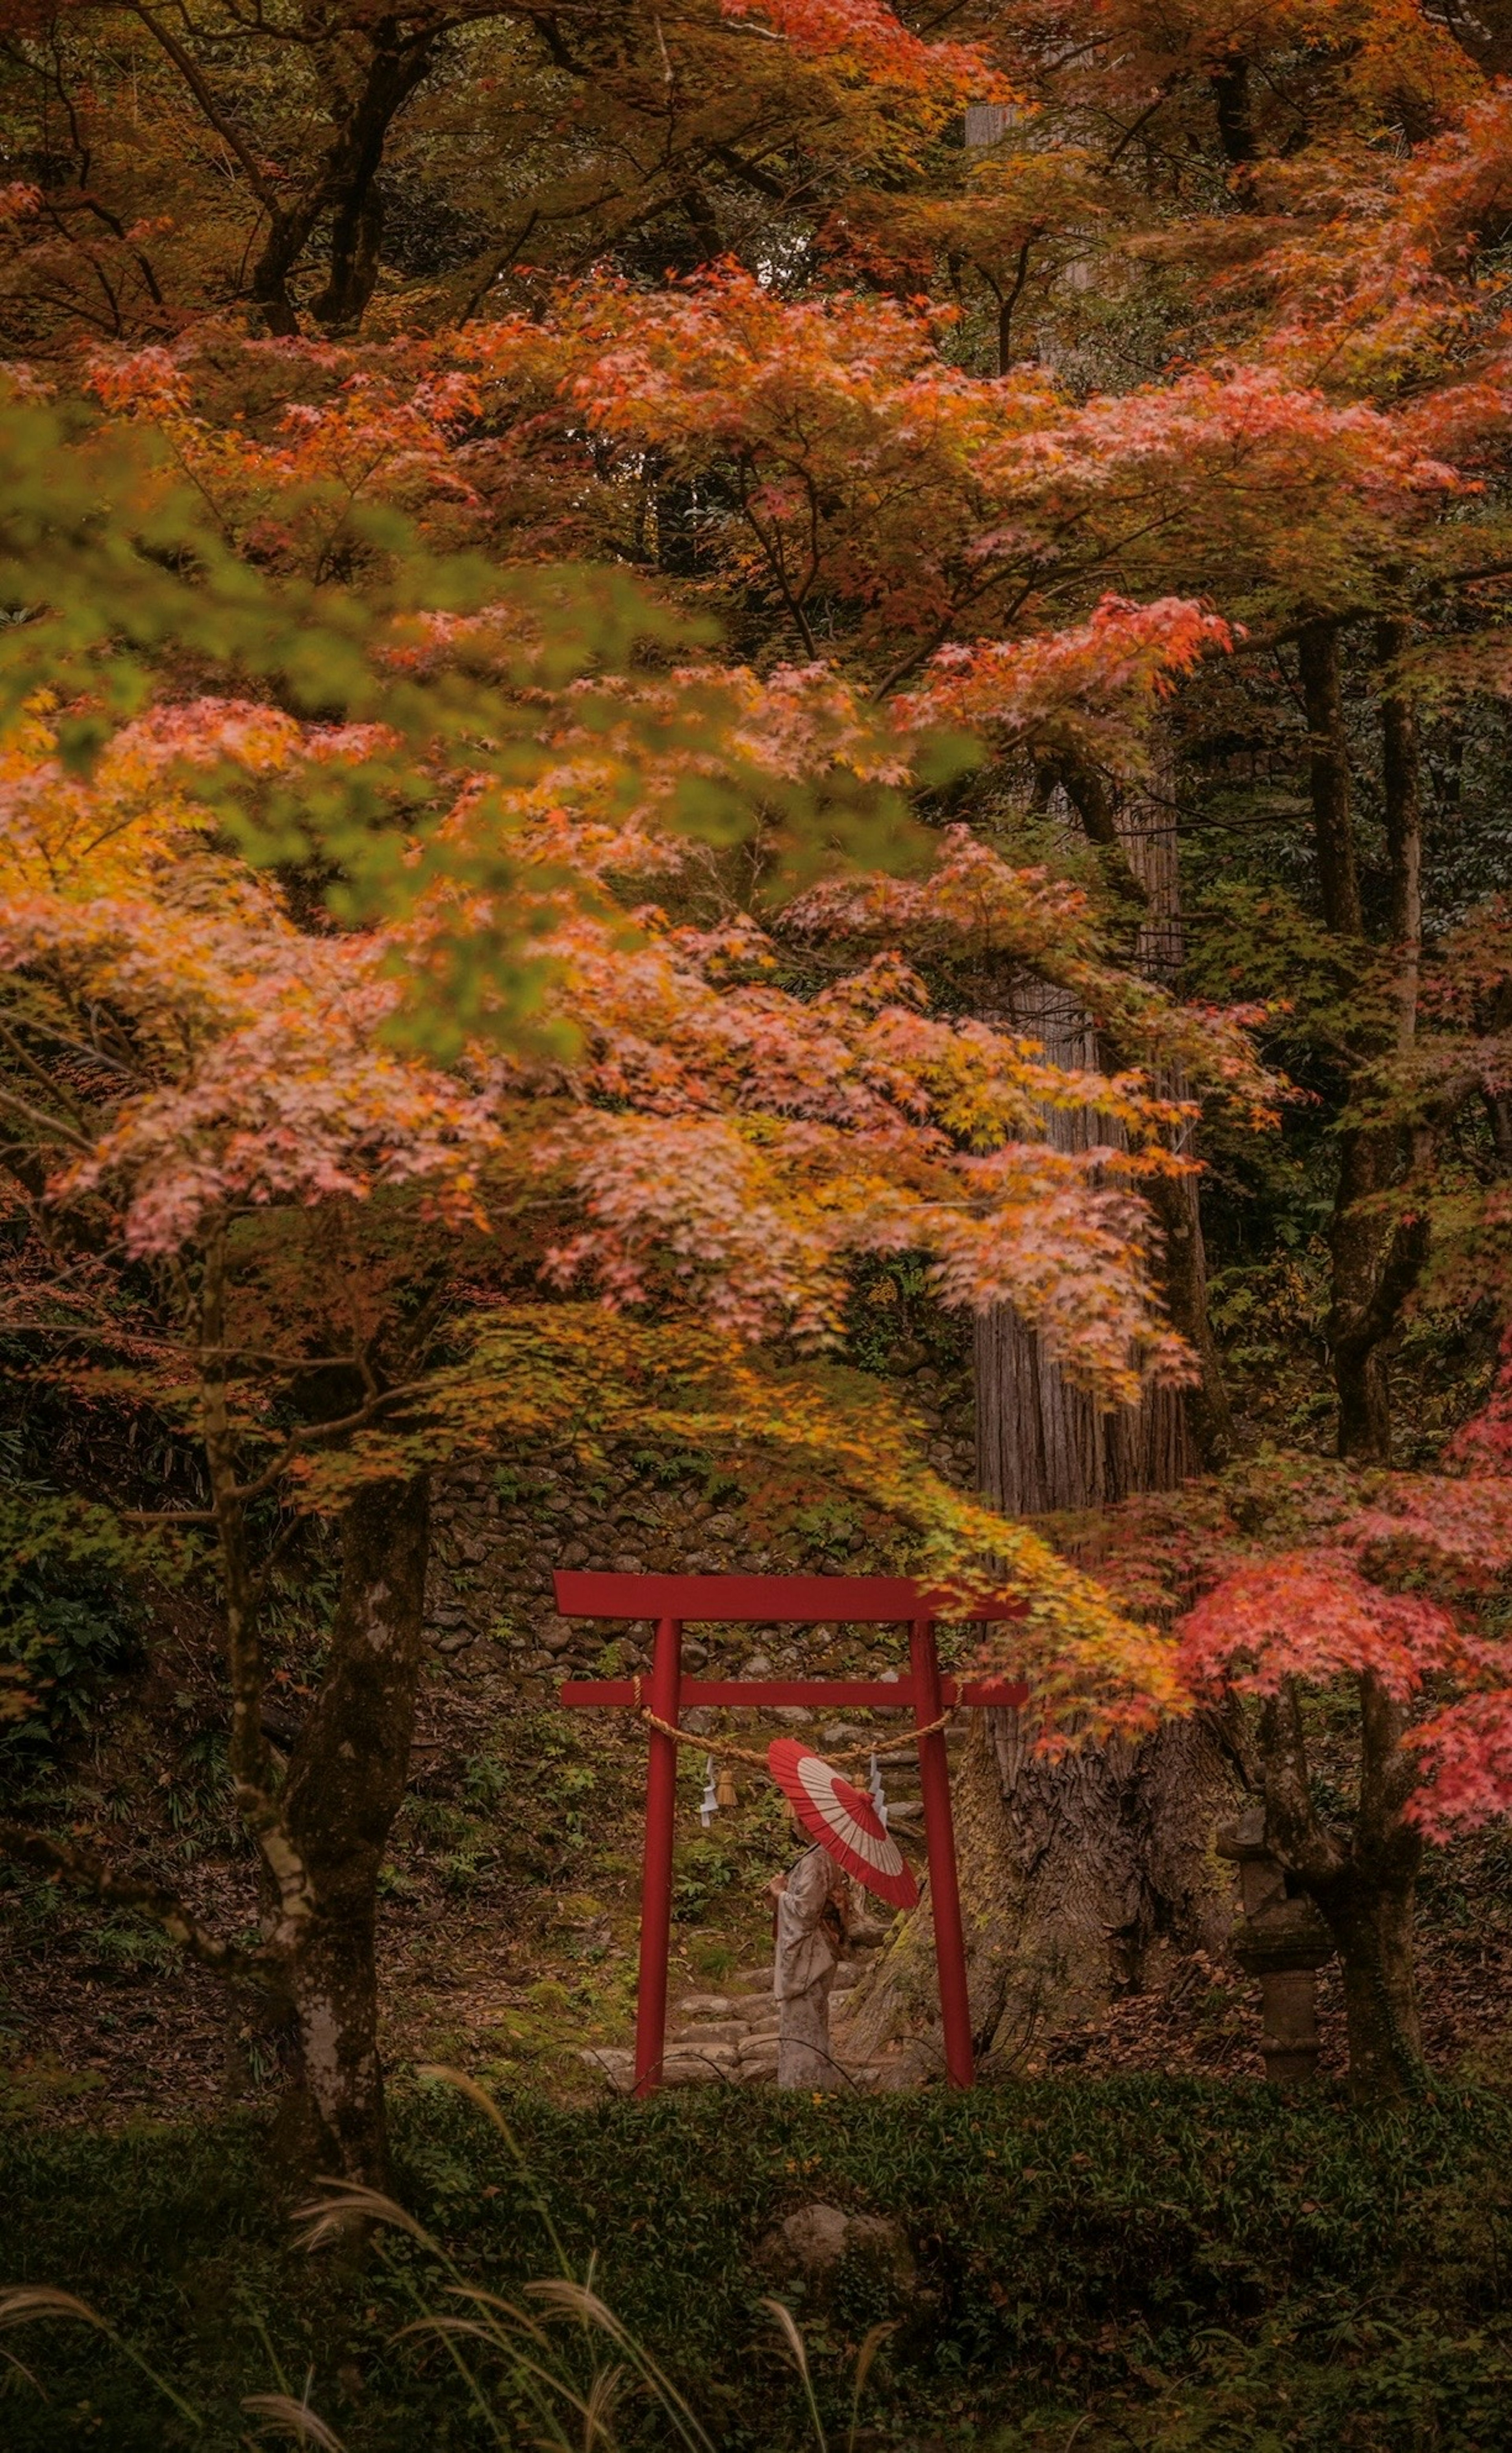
(674, 1602)
(798, 1600)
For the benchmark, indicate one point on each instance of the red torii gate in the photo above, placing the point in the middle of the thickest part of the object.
(671, 1602)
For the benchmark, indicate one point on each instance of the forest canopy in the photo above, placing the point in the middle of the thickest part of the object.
(660, 660)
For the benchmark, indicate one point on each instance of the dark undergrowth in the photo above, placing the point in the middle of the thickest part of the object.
(1141, 2262)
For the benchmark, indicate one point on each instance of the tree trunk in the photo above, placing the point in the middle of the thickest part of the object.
(1482, 28)
(1041, 1446)
(1354, 1328)
(1402, 780)
(1172, 1434)
(1372, 1927)
(1234, 110)
(1085, 1878)
(1329, 780)
(345, 1785)
(1374, 1265)
(1361, 1882)
(1080, 1880)
(345, 188)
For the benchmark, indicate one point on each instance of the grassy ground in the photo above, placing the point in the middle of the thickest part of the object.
(508, 1932)
(1155, 2264)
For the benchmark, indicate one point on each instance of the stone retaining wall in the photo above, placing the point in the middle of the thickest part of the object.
(499, 1532)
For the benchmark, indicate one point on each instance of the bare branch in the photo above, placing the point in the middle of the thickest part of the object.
(68, 1862)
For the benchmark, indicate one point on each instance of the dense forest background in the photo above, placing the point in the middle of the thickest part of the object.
(753, 815)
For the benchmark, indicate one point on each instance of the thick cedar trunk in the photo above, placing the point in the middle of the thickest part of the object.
(1083, 1877)
(344, 1787)
(1041, 1446)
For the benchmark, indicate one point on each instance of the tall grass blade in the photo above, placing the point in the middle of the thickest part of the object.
(293, 2417)
(348, 2204)
(864, 2359)
(23, 2302)
(479, 2399)
(575, 2299)
(441, 2075)
(782, 2317)
(607, 2387)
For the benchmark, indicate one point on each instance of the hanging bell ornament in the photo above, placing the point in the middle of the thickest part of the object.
(708, 1802)
(725, 1793)
(878, 1795)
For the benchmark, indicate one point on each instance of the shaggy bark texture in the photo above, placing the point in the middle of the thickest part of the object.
(1078, 1880)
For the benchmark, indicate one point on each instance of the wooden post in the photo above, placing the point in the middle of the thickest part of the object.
(656, 1879)
(944, 1897)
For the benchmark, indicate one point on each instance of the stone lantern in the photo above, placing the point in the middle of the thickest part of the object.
(1282, 1942)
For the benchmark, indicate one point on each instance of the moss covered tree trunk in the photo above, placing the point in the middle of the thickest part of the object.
(344, 1787)
(1373, 1934)
(1363, 1881)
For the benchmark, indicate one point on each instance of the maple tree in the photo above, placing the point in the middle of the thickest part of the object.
(1158, 443)
(299, 1183)
(1290, 1587)
(179, 143)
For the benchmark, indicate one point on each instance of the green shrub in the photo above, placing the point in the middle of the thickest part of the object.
(69, 1618)
(1149, 2262)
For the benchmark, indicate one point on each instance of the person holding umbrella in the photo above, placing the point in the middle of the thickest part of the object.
(812, 1900)
(810, 1939)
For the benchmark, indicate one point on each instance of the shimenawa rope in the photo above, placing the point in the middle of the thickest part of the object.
(723, 1749)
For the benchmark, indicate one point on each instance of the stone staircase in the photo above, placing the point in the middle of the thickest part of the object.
(729, 2039)
(900, 1772)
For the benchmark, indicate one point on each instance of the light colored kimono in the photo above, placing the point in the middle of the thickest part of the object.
(804, 1972)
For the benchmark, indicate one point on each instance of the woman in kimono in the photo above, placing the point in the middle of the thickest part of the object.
(812, 1929)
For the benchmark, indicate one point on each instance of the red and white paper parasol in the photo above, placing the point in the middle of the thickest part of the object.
(842, 1819)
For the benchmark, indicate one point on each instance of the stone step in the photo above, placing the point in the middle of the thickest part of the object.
(725, 2032)
(723, 2007)
(753, 2065)
(700, 2065)
(707, 2006)
(711, 2031)
(611, 2062)
(750, 1992)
